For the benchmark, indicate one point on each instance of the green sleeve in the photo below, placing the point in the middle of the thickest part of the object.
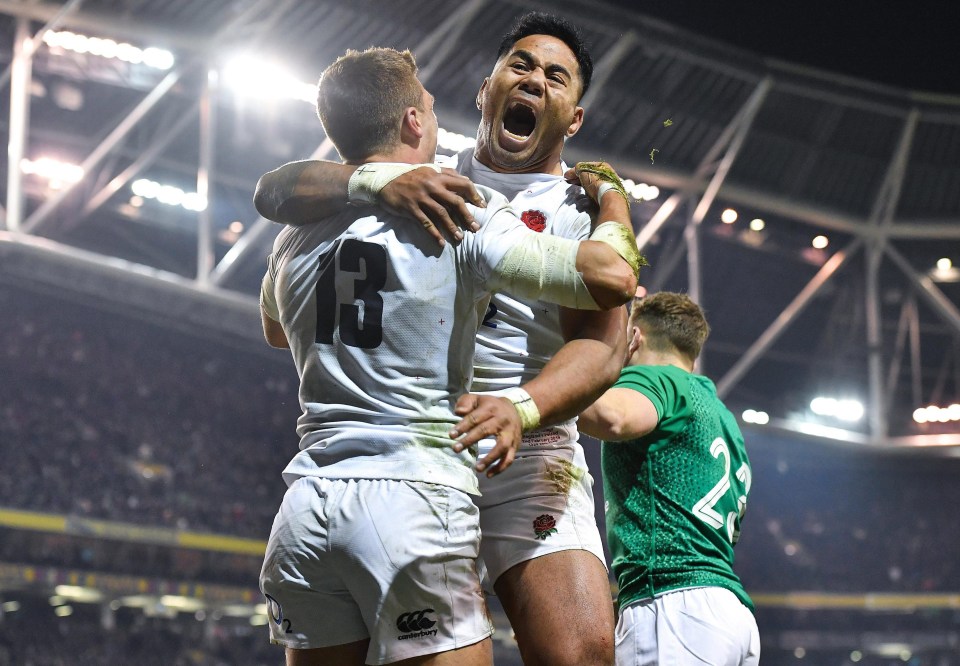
(666, 388)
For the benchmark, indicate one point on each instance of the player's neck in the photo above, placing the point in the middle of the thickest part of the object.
(648, 357)
(550, 165)
(402, 154)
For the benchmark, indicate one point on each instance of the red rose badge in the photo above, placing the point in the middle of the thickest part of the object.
(534, 219)
(544, 526)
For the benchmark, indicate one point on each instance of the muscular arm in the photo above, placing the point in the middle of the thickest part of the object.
(273, 331)
(300, 193)
(586, 366)
(620, 414)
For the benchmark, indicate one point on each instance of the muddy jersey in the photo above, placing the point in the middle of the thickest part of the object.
(381, 323)
(517, 337)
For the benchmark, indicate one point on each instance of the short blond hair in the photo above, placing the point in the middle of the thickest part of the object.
(671, 322)
(361, 99)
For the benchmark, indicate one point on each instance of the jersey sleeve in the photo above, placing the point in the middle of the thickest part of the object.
(268, 295)
(483, 250)
(668, 389)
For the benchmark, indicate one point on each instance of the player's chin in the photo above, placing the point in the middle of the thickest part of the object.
(513, 157)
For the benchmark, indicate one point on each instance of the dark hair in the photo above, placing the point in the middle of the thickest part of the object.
(538, 23)
(671, 321)
(361, 99)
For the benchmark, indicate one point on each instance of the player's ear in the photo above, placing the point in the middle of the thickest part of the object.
(411, 127)
(634, 343)
(483, 87)
(575, 124)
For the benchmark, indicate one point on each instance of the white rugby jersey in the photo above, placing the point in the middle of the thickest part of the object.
(518, 336)
(381, 323)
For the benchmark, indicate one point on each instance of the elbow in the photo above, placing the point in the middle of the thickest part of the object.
(278, 342)
(614, 431)
(610, 370)
(262, 200)
(618, 288)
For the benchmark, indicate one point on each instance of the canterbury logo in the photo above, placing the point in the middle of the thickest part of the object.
(415, 621)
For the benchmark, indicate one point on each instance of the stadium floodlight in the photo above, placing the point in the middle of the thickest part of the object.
(66, 40)
(250, 76)
(755, 416)
(728, 216)
(937, 414)
(53, 170)
(844, 410)
(170, 195)
(823, 406)
(641, 191)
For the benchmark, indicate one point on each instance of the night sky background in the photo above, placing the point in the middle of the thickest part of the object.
(912, 45)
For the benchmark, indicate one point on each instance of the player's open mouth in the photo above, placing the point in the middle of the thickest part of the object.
(519, 121)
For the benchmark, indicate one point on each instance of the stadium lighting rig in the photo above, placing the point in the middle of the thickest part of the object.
(755, 416)
(935, 414)
(170, 195)
(844, 410)
(53, 170)
(257, 78)
(65, 40)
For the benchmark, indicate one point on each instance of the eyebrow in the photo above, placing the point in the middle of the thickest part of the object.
(528, 57)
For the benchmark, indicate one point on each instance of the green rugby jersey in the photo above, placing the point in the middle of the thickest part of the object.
(675, 497)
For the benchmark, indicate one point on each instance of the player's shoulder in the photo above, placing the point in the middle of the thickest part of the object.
(495, 204)
(663, 378)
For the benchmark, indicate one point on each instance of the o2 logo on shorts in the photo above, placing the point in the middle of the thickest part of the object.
(276, 614)
(416, 624)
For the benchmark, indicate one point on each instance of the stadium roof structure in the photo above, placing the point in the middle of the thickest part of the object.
(140, 128)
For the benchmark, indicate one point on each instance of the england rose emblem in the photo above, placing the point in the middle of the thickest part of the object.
(534, 219)
(544, 526)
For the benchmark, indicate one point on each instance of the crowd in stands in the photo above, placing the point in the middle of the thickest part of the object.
(105, 416)
(828, 517)
(34, 635)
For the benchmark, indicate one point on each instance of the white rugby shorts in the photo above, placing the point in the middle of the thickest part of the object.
(392, 561)
(541, 504)
(701, 625)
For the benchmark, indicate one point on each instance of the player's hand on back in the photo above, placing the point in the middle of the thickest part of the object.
(435, 200)
(487, 416)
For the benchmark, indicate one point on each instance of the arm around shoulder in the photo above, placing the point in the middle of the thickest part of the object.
(303, 192)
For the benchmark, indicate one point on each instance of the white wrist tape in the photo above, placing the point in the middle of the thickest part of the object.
(608, 187)
(526, 408)
(544, 267)
(623, 242)
(366, 182)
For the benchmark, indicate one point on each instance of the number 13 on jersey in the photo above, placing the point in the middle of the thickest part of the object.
(363, 266)
(705, 509)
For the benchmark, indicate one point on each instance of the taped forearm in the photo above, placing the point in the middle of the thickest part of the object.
(544, 267)
(623, 242)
